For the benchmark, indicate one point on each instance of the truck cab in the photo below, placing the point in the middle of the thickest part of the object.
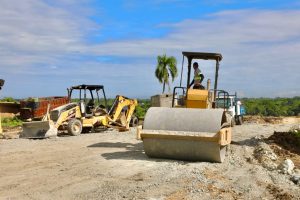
(234, 107)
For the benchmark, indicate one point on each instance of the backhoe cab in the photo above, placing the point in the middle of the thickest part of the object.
(89, 99)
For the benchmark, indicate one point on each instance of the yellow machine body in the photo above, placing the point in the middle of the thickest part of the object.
(119, 117)
(197, 99)
(60, 118)
(194, 129)
(90, 122)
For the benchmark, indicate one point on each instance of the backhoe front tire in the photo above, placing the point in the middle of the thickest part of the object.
(74, 127)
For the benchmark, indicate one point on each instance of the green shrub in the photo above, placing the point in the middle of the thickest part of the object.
(141, 109)
(295, 130)
(272, 107)
(11, 122)
(8, 99)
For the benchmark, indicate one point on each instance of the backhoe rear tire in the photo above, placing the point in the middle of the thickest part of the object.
(74, 127)
(134, 121)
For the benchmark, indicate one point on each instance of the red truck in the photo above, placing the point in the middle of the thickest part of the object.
(36, 108)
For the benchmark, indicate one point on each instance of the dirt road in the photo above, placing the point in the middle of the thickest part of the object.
(113, 165)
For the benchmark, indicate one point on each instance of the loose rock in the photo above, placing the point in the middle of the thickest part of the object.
(296, 179)
(265, 155)
(286, 167)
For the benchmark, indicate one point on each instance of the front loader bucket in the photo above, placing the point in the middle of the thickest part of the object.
(38, 129)
(185, 134)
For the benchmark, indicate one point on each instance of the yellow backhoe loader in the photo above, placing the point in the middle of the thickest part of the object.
(195, 128)
(90, 112)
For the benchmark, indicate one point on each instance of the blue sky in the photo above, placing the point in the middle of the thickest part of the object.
(49, 45)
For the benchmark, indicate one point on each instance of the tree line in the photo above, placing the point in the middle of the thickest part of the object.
(272, 106)
(254, 106)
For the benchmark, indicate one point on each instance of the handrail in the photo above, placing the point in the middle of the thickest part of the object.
(174, 93)
(225, 95)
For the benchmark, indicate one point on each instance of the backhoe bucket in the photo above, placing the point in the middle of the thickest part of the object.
(186, 134)
(38, 129)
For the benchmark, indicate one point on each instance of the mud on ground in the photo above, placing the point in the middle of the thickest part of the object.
(112, 165)
(286, 145)
(271, 120)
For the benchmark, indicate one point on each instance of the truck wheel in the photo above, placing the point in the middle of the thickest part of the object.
(74, 127)
(239, 120)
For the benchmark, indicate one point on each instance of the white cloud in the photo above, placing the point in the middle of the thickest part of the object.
(39, 39)
(33, 30)
(259, 48)
(234, 29)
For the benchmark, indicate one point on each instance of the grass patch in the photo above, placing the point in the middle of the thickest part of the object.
(11, 122)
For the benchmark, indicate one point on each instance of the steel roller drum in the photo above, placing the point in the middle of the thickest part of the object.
(183, 134)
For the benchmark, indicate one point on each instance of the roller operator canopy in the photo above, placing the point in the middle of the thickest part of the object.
(88, 87)
(202, 55)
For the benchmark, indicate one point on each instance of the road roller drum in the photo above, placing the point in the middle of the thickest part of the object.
(186, 134)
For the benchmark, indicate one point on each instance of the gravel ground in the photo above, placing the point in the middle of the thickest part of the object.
(112, 165)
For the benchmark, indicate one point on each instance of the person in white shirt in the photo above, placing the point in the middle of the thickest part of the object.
(198, 77)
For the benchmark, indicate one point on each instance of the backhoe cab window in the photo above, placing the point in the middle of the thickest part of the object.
(101, 101)
(75, 96)
(78, 95)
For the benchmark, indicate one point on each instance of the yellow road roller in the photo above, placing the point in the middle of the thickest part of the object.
(196, 127)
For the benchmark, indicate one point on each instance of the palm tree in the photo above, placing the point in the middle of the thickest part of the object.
(166, 66)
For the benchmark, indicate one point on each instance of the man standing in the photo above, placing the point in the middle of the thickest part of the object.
(198, 77)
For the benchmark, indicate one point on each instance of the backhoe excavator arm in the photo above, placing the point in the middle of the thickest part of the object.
(123, 104)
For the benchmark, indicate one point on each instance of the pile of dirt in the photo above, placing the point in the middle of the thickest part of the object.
(7, 115)
(263, 119)
(257, 119)
(279, 193)
(286, 145)
(11, 133)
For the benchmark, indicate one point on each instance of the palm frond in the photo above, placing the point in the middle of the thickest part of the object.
(172, 66)
(165, 67)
